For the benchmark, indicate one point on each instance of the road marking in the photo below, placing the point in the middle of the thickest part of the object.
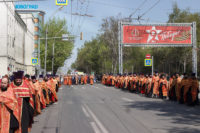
(127, 99)
(95, 128)
(60, 88)
(103, 129)
(85, 112)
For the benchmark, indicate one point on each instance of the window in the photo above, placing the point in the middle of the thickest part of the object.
(13, 43)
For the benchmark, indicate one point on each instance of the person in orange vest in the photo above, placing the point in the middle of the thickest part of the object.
(37, 99)
(91, 79)
(192, 94)
(103, 79)
(163, 87)
(156, 85)
(135, 83)
(130, 83)
(122, 81)
(76, 79)
(82, 80)
(113, 80)
(42, 104)
(9, 111)
(108, 81)
(70, 80)
(148, 91)
(172, 90)
(25, 102)
(85, 79)
(184, 86)
(52, 90)
(65, 80)
(117, 81)
(170, 83)
(59, 81)
(177, 87)
(142, 84)
(126, 82)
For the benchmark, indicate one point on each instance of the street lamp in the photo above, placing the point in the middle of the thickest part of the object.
(46, 38)
(45, 58)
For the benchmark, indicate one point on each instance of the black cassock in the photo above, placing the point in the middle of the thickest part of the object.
(27, 115)
(14, 124)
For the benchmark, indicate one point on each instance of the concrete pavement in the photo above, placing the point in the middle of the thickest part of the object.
(102, 109)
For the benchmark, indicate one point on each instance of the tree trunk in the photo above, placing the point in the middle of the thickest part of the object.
(184, 65)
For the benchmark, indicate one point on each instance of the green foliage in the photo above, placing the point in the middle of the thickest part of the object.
(63, 49)
(92, 57)
(101, 54)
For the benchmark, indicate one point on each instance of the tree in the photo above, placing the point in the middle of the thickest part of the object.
(101, 53)
(63, 49)
(109, 28)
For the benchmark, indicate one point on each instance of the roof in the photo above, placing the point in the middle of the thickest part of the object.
(30, 11)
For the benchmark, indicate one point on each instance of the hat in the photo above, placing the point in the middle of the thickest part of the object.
(193, 74)
(41, 76)
(27, 76)
(33, 77)
(18, 75)
(48, 75)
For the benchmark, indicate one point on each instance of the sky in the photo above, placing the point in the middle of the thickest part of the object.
(155, 11)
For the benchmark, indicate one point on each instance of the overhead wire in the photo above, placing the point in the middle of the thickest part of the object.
(137, 8)
(86, 10)
(75, 17)
(110, 5)
(150, 8)
(82, 18)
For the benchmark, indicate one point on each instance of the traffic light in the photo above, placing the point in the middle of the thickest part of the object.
(81, 36)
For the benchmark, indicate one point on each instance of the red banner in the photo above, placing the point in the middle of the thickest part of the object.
(157, 34)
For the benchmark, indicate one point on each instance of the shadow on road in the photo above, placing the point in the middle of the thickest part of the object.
(180, 114)
(183, 130)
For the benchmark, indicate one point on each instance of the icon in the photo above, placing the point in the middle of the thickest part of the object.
(153, 35)
(34, 61)
(147, 62)
(61, 2)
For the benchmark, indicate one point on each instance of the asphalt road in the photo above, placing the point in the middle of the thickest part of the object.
(101, 109)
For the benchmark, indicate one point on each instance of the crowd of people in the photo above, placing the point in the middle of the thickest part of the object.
(182, 88)
(78, 79)
(22, 97)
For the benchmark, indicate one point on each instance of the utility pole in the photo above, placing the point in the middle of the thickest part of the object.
(194, 50)
(53, 56)
(45, 58)
(39, 65)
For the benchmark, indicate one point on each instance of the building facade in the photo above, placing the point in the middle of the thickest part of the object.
(34, 20)
(17, 40)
